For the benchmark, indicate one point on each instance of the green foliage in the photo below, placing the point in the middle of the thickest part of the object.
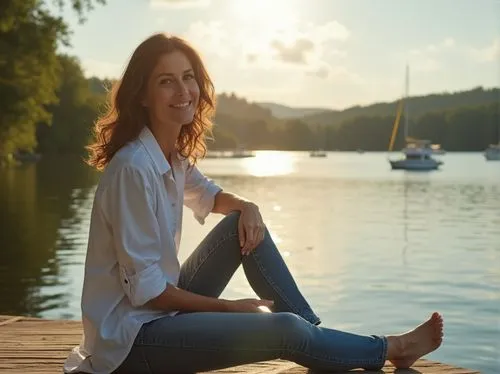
(29, 74)
(29, 69)
(98, 86)
(80, 6)
(74, 114)
(419, 105)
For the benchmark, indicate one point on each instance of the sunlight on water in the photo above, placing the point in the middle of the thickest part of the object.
(269, 163)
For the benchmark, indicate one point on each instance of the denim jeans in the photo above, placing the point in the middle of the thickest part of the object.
(193, 342)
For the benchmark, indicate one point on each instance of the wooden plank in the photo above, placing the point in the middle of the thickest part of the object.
(10, 320)
(37, 346)
(4, 317)
(268, 367)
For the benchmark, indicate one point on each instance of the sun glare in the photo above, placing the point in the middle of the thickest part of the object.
(268, 163)
(266, 20)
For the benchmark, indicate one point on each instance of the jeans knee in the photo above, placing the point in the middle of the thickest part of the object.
(291, 326)
(230, 222)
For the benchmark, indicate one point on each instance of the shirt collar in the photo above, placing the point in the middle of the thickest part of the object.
(153, 148)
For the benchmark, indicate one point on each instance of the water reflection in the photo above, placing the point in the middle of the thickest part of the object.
(269, 163)
(36, 200)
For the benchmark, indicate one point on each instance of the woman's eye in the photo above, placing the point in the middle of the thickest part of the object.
(189, 76)
(166, 81)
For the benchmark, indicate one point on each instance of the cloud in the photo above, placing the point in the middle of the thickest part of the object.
(332, 30)
(296, 53)
(210, 38)
(337, 73)
(300, 48)
(428, 58)
(322, 72)
(312, 38)
(445, 44)
(311, 48)
(159, 4)
(490, 53)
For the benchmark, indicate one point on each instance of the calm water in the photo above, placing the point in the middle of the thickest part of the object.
(374, 250)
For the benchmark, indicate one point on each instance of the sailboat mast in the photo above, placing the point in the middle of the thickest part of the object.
(498, 111)
(407, 91)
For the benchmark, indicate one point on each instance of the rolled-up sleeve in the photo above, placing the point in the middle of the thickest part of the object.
(128, 204)
(199, 193)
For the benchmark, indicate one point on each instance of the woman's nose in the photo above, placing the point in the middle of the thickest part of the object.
(182, 89)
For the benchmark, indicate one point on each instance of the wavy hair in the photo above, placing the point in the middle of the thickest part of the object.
(125, 116)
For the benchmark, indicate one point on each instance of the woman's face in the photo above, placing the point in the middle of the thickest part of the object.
(172, 92)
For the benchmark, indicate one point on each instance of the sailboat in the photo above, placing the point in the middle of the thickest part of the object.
(418, 152)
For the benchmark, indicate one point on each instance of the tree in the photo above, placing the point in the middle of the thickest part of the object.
(73, 115)
(29, 68)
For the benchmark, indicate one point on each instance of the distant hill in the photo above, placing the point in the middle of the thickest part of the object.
(238, 107)
(283, 111)
(418, 105)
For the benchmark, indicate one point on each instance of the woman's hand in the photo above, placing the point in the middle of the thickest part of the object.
(251, 228)
(248, 305)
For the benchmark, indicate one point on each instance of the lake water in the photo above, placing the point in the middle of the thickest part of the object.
(374, 250)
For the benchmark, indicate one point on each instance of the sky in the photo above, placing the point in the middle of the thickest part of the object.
(307, 53)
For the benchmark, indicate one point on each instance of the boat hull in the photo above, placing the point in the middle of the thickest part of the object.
(416, 165)
(317, 153)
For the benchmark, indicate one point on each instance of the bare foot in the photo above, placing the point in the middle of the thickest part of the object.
(403, 350)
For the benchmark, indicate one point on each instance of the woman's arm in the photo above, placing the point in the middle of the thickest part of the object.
(227, 202)
(251, 227)
(174, 298)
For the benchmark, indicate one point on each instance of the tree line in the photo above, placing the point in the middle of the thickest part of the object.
(461, 128)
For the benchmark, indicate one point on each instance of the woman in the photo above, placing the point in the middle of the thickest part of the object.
(143, 312)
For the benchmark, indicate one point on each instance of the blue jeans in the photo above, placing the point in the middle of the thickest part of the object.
(193, 342)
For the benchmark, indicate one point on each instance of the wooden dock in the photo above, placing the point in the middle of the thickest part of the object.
(36, 346)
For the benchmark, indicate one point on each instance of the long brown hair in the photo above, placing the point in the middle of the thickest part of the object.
(126, 117)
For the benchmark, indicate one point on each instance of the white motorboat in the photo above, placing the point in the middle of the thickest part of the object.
(417, 157)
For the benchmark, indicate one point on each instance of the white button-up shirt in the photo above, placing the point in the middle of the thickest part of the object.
(134, 239)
